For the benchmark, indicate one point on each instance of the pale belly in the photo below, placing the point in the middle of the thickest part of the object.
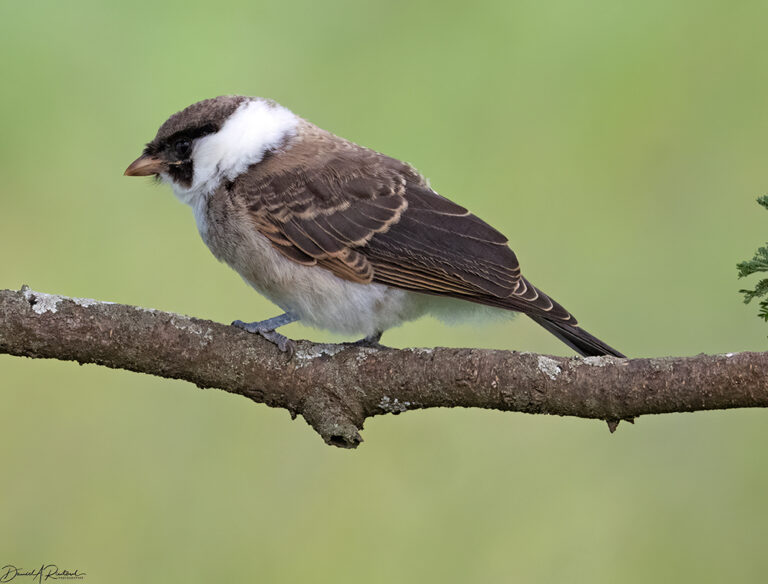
(313, 294)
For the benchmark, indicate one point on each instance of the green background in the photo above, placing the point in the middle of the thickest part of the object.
(619, 145)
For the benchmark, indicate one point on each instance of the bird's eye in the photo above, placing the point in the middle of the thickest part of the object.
(182, 148)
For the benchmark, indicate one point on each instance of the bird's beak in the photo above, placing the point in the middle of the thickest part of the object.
(146, 165)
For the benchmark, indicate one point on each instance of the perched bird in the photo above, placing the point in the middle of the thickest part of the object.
(339, 236)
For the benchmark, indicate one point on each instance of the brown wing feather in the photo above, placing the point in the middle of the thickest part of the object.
(370, 218)
(442, 250)
(324, 212)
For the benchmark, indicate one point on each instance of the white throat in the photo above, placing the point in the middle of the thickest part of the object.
(255, 127)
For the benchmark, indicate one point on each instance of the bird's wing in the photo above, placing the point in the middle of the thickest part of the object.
(370, 218)
(437, 244)
(325, 214)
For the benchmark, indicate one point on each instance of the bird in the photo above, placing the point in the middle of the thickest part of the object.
(339, 236)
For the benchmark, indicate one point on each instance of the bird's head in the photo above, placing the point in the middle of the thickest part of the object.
(214, 140)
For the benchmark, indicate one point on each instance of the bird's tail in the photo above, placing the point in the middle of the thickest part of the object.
(576, 338)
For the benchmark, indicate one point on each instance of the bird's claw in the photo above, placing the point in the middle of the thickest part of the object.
(283, 343)
(251, 327)
(371, 341)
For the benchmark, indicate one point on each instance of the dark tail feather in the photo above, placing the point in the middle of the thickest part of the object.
(577, 338)
(585, 344)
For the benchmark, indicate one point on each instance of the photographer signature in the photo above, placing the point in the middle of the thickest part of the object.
(43, 573)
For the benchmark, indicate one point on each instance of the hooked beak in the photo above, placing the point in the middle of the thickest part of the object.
(146, 165)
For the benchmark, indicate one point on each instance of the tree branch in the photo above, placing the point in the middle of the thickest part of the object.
(336, 387)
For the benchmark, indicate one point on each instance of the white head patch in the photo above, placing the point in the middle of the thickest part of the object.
(254, 128)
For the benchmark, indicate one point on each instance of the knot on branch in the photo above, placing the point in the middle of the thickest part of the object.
(330, 418)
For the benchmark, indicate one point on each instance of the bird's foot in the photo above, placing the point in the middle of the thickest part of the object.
(266, 328)
(371, 341)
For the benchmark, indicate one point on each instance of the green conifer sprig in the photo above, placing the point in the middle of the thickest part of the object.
(759, 263)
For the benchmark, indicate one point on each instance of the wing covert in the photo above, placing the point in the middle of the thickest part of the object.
(370, 218)
(323, 214)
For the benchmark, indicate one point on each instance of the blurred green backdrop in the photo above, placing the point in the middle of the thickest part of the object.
(619, 145)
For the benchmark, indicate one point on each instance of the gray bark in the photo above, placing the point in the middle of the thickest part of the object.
(337, 387)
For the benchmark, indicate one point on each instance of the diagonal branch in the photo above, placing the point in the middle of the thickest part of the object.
(336, 387)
